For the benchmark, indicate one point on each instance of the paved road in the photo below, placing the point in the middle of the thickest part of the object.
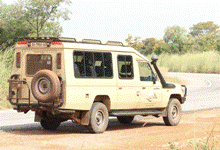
(203, 93)
(203, 90)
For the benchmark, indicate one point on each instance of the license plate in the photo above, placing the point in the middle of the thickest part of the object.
(38, 44)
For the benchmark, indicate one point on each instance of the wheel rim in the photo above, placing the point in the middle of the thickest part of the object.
(174, 112)
(99, 117)
(43, 85)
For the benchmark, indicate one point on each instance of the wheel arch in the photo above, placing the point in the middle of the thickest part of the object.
(177, 96)
(105, 99)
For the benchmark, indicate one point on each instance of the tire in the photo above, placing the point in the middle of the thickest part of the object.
(45, 86)
(98, 118)
(50, 124)
(126, 119)
(173, 113)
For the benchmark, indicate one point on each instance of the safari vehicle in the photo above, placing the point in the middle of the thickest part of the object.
(87, 81)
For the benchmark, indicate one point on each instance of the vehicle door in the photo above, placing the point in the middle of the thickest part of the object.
(128, 83)
(151, 90)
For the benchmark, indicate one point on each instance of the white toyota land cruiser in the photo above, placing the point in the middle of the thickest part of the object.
(87, 81)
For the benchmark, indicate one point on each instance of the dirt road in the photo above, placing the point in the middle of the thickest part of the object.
(143, 133)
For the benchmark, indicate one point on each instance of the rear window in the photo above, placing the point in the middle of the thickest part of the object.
(38, 62)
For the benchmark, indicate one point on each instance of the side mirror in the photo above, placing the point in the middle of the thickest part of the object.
(154, 78)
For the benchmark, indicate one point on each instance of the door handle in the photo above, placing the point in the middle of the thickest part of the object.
(138, 93)
(143, 87)
(120, 88)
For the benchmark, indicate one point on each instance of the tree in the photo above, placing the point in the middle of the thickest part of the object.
(203, 28)
(134, 42)
(31, 18)
(12, 25)
(202, 43)
(162, 47)
(43, 16)
(175, 36)
(149, 45)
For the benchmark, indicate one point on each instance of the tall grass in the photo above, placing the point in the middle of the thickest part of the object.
(206, 62)
(6, 61)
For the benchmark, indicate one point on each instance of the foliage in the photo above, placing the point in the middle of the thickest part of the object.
(149, 45)
(203, 28)
(134, 42)
(202, 37)
(202, 43)
(40, 14)
(12, 25)
(6, 61)
(31, 18)
(175, 36)
(162, 47)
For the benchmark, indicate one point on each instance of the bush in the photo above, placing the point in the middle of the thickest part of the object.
(6, 61)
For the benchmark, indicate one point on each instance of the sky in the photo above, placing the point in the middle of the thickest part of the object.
(116, 19)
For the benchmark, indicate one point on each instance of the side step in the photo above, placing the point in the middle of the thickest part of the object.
(135, 112)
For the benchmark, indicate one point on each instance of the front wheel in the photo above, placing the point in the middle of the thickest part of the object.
(98, 118)
(173, 113)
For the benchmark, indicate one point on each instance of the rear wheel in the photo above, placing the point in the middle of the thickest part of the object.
(50, 124)
(173, 113)
(126, 119)
(98, 118)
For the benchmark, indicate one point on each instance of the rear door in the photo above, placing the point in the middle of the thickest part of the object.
(128, 84)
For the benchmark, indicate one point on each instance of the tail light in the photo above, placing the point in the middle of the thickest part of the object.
(22, 43)
(57, 43)
(59, 61)
(18, 60)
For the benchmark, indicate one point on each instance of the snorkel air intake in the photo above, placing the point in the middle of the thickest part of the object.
(163, 82)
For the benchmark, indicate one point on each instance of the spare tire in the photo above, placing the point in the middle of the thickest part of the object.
(45, 86)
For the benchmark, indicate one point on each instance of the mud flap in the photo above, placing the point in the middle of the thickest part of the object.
(83, 117)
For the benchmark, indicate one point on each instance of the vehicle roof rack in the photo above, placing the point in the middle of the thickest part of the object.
(115, 43)
(71, 40)
(91, 41)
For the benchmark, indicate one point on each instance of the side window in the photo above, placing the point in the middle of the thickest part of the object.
(146, 73)
(125, 67)
(92, 64)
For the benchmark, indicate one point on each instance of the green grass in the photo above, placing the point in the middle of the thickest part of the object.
(6, 60)
(206, 62)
